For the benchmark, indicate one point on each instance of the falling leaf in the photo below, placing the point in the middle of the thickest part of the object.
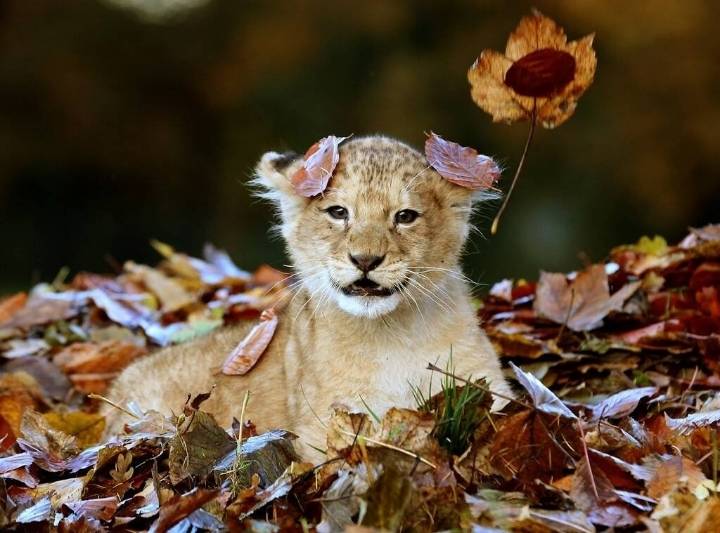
(582, 303)
(540, 74)
(460, 165)
(320, 161)
(622, 403)
(246, 354)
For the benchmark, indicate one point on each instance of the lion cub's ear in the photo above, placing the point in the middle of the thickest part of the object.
(272, 180)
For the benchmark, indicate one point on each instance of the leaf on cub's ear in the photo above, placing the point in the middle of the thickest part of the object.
(248, 352)
(461, 165)
(320, 162)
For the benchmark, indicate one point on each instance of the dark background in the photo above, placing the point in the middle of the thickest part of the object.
(119, 125)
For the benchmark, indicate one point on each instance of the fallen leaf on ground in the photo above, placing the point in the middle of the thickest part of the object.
(582, 303)
(11, 305)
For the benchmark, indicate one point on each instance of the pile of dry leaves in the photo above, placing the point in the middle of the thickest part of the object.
(615, 425)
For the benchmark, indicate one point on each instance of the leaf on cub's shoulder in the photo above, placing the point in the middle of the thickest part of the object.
(198, 445)
(320, 162)
(461, 165)
(246, 354)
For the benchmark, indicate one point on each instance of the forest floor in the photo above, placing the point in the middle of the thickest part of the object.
(617, 368)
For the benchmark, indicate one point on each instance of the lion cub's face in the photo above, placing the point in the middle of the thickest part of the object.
(387, 232)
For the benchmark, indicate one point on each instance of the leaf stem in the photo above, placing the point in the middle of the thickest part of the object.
(531, 133)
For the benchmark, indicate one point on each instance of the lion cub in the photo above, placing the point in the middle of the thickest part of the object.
(380, 295)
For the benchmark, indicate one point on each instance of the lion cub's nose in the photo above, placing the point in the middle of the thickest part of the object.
(366, 263)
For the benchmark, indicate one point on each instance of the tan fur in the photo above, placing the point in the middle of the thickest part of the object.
(330, 347)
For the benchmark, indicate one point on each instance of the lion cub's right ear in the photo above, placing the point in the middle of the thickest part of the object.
(272, 180)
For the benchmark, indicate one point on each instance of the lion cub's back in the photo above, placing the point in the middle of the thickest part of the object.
(163, 380)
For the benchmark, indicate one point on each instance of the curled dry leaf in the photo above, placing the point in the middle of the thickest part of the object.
(582, 303)
(248, 352)
(622, 403)
(539, 73)
(461, 165)
(543, 398)
(320, 161)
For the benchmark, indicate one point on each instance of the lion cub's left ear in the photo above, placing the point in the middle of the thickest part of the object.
(273, 180)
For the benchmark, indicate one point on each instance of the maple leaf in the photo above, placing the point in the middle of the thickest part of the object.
(461, 165)
(540, 76)
(246, 354)
(582, 303)
(320, 161)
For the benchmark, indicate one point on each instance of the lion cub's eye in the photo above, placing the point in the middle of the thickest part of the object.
(337, 212)
(406, 216)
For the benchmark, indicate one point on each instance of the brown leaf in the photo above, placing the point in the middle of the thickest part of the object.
(180, 506)
(199, 444)
(246, 354)
(460, 165)
(320, 161)
(581, 303)
(530, 445)
(19, 392)
(674, 471)
(539, 70)
(169, 291)
(49, 447)
(87, 428)
(104, 358)
(41, 309)
(11, 305)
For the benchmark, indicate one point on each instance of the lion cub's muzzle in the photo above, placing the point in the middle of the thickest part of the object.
(366, 287)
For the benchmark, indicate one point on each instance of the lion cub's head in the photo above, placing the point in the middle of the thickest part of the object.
(387, 232)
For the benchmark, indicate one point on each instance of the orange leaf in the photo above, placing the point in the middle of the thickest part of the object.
(11, 305)
(320, 162)
(460, 165)
(540, 70)
(248, 352)
(108, 356)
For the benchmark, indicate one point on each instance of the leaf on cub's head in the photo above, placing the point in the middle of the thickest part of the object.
(540, 75)
(320, 161)
(461, 165)
(246, 354)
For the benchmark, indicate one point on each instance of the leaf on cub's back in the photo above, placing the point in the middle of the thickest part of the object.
(461, 165)
(246, 354)
(320, 162)
(196, 449)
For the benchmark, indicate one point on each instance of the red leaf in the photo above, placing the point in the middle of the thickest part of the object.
(246, 354)
(320, 162)
(541, 73)
(460, 165)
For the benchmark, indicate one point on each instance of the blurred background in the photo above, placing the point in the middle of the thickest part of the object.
(126, 120)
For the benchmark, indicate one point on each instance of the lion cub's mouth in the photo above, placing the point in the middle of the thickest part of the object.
(366, 287)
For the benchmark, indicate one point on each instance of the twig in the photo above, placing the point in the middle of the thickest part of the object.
(531, 132)
(116, 406)
(414, 455)
(587, 459)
